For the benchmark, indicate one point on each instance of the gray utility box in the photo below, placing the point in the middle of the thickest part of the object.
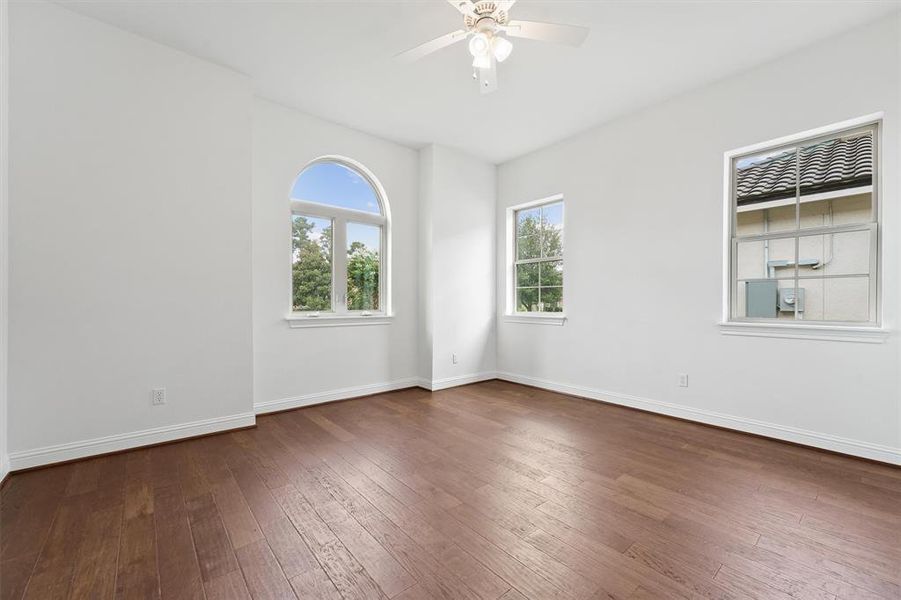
(788, 299)
(761, 299)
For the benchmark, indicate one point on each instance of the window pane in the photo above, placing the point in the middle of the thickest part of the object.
(845, 210)
(551, 273)
(765, 190)
(847, 299)
(781, 257)
(855, 208)
(528, 247)
(551, 299)
(766, 218)
(312, 265)
(552, 229)
(766, 259)
(528, 222)
(363, 266)
(527, 275)
(751, 260)
(844, 299)
(528, 233)
(843, 161)
(527, 300)
(845, 253)
(335, 184)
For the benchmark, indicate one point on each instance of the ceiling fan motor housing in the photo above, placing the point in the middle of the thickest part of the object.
(488, 16)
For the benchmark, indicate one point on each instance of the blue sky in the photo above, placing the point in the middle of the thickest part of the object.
(335, 184)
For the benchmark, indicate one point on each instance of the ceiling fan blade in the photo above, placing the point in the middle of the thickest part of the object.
(438, 43)
(464, 6)
(488, 78)
(571, 35)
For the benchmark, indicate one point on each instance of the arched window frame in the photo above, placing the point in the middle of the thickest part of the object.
(340, 218)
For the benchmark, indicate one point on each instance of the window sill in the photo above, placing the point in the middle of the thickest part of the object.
(303, 321)
(832, 333)
(536, 319)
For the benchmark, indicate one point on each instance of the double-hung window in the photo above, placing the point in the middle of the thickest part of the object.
(803, 230)
(538, 258)
(339, 240)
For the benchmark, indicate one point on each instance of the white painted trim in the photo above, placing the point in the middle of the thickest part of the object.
(448, 382)
(831, 333)
(4, 468)
(536, 319)
(810, 133)
(124, 441)
(269, 406)
(805, 437)
(299, 321)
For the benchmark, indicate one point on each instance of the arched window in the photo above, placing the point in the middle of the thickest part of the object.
(340, 231)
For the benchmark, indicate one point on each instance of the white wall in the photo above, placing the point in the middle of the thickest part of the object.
(294, 367)
(643, 279)
(4, 231)
(458, 248)
(129, 239)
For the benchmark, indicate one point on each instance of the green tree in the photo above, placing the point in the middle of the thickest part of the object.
(362, 277)
(312, 268)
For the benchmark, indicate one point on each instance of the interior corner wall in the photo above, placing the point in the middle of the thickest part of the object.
(130, 240)
(297, 367)
(426, 287)
(644, 264)
(457, 227)
(4, 232)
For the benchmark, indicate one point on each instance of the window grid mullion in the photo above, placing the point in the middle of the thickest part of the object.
(528, 261)
(339, 274)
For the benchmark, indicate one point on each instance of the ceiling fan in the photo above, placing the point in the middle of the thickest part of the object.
(487, 25)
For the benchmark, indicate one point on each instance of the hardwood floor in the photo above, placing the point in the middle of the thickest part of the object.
(487, 491)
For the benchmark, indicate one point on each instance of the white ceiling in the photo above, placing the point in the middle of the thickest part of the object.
(334, 59)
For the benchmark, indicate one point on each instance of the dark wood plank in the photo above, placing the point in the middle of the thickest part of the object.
(179, 570)
(262, 573)
(138, 574)
(214, 551)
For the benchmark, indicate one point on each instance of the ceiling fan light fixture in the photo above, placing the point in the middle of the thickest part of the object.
(482, 61)
(501, 47)
(479, 45)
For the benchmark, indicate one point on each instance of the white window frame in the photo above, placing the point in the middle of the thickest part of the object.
(339, 314)
(870, 331)
(510, 313)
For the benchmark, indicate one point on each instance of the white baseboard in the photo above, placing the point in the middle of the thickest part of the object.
(806, 437)
(449, 382)
(4, 468)
(124, 441)
(332, 395)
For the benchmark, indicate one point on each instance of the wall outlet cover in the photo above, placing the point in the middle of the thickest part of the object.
(158, 396)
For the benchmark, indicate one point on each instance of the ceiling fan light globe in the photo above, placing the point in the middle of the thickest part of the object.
(483, 61)
(501, 47)
(479, 45)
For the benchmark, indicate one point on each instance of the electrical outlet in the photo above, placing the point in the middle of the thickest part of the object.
(454, 358)
(683, 379)
(158, 396)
